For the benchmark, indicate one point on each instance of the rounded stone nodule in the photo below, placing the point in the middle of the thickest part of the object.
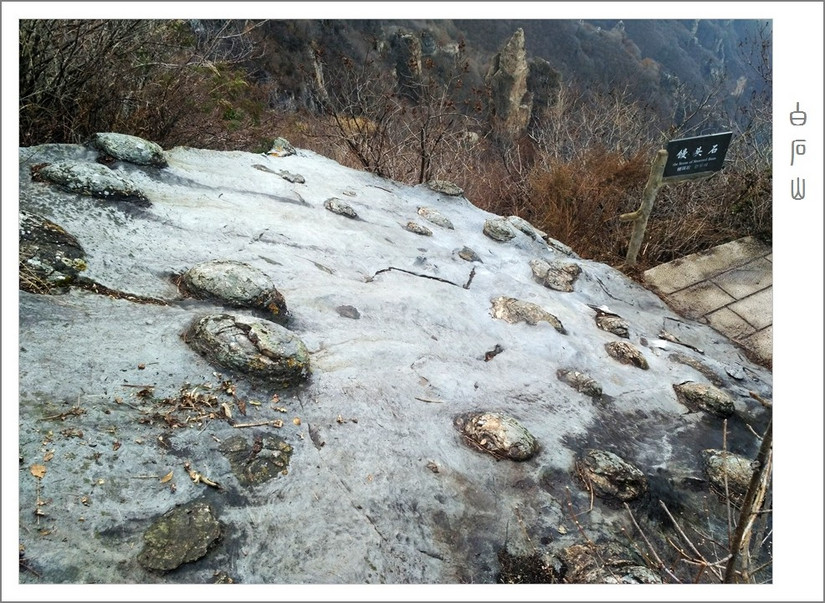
(613, 324)
(514, 310)
(256, 347)
(182, 535)
(499, 229)
(445, 187)
(559, 276)
(434, 216)
(235, 284)
(580, 382)
(610, 475)
(719, 465)
(50, 258)
(497, 434)
(91, 179)
(337, 206)
(626, 353)
(419, 229)
(129, 148)
(701, 396)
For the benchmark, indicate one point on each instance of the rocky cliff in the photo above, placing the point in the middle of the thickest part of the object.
(273, 369)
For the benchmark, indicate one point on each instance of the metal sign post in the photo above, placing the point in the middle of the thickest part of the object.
(685, 159)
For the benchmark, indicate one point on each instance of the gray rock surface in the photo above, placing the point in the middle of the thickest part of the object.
(120, 421)
(129, 148)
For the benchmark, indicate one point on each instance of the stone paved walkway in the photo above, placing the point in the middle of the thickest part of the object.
(729, 287)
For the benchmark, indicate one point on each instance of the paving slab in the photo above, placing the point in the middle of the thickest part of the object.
(729, 287)
(700, 299)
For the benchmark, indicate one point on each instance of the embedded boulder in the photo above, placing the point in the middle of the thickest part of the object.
(497, 434)
(610, 476)
(182, 535)
(527, 228)
(337, 206)
(468, 255)
(580, 382)
(257, 347)
(559, 276)
(499, 229)
(129, 148)
(91, 179)
(235, 284)
(612, 323)
(419, 229)
(626, 353)
(701, 396)
(434, 216)
(608, 563)
(514, 310)
(722, 466)
(50, 258)
(445, 187)
(280, 148)
(258, 461)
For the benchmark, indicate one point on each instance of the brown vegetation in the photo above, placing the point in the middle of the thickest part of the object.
(582, 163)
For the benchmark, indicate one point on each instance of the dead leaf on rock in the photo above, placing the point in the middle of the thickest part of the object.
(296, 421)
(115, 445)
(141, 366)
(48, 456)
(38, 470)
(166, 477)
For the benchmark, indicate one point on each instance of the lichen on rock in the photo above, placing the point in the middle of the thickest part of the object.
(235, 284)
(436, 217)
(129, 148)
(497, 434)
(559, 276)
(514, 310)
(626, 353)
(337, 206)
(91, 179)
(580, 382)
(182, 535)
(701, 396)
(499, 229)
(257, 347)
(610, 476)
(50, 258)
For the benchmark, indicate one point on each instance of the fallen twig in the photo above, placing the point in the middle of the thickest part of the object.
(650, 546)
(273, 423)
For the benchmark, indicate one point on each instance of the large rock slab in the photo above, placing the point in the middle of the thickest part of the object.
(121, 420)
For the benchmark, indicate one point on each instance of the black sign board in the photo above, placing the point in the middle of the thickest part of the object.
(687, 156)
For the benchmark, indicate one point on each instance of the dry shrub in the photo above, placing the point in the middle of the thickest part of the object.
(579, 202)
